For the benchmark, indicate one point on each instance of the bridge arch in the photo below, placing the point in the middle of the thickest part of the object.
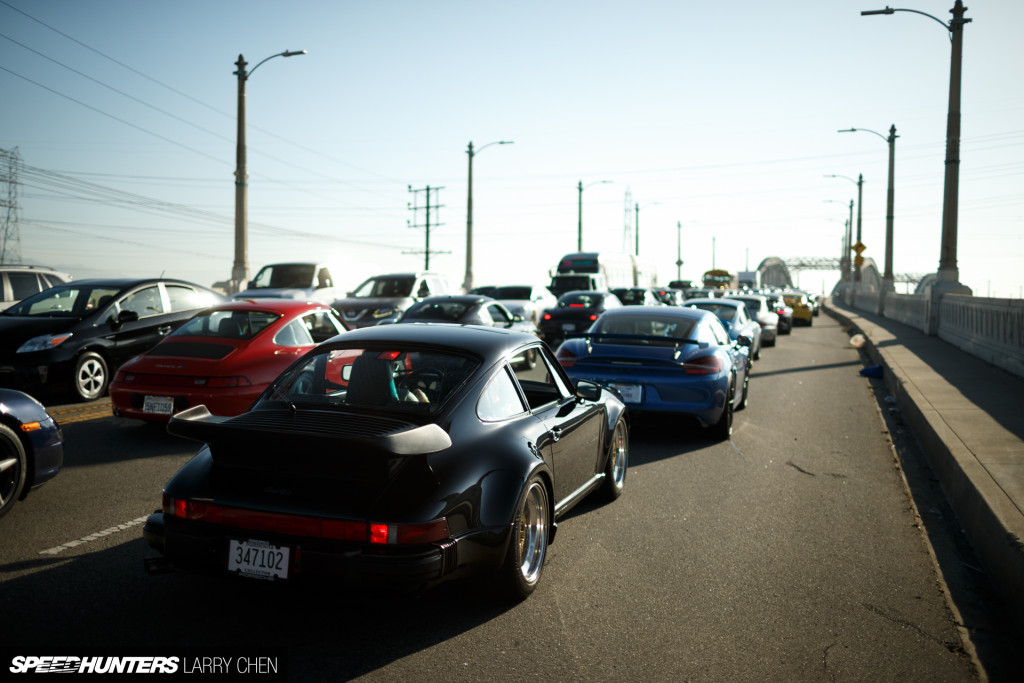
(775, 273)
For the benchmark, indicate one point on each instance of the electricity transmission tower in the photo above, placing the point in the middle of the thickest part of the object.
(415, 207)
(10, 237)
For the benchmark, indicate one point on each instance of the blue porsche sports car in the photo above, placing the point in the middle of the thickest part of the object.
(665, 360)
(31, 447)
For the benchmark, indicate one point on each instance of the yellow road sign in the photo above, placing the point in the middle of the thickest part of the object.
(859, 247)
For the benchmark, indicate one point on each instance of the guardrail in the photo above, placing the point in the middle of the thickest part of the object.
(989, 329)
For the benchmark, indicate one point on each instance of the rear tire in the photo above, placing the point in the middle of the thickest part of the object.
(13, 465)
(528, 542)
(722, 429)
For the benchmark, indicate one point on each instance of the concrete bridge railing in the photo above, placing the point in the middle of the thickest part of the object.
(990, 329)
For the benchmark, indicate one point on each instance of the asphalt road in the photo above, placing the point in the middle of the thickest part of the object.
(792, 552)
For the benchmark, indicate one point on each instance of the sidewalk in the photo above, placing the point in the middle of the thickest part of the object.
(969, 417)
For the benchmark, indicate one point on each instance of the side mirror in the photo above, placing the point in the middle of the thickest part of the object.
(588, 391)
(744, 340)
(127, 317)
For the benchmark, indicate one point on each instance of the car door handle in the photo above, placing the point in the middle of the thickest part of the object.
(163, 330)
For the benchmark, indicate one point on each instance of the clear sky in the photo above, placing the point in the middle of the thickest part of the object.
(722, 117)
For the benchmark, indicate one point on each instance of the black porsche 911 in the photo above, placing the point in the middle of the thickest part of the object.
(400, 455)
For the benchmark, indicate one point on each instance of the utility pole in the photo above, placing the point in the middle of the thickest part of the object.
(414, 207)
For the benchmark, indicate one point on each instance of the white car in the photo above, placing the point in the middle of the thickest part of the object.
(300, 281)
(528, 301)
(757, 307)
(19, 282)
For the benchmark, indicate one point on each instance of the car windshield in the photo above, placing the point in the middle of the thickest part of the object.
(227, 324)
(395, 378)
(442, 311)
(580, 300)
(71, 301)
(287, 276)
(644, 327)
(386, 287)
(511, 292)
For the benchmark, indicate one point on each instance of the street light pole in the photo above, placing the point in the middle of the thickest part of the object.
(637, 224)
(888, 280)
(679, 250)
(468, 282)
(240, 269)
(860, 195)
(579, 211)
(948, 276)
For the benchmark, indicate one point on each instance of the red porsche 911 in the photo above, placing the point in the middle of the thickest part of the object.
(222, 358)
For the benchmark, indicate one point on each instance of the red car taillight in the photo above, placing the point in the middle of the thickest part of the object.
(302, 525)
(708, 365)
(228, 382)
(566, 359)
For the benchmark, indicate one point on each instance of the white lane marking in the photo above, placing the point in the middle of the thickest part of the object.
(93, 537)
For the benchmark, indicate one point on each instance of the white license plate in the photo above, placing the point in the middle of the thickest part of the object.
(158, 405)
(258, 559)
(568, 327)
(631, 393)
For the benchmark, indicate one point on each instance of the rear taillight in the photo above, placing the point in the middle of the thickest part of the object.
(302, 525)
(708, 365)
(228, 382)
(593, 317)
(546, 316)
(565, 358)
(409, 534)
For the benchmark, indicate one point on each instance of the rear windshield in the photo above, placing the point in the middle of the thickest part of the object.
(441, 311)
(644, 328)
(511, 292)
(227, 324)
(580, 300)
(723, 312)
(399, 379)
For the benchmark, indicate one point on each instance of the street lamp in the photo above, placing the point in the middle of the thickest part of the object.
(240, 270)
(679, 248)
(637, 222)
(887, 278)
(579, 211)
(468, 283)
(844, 261)
(860, 210)
(948, 277)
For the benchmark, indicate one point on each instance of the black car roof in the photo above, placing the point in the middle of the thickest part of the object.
(487, 342)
